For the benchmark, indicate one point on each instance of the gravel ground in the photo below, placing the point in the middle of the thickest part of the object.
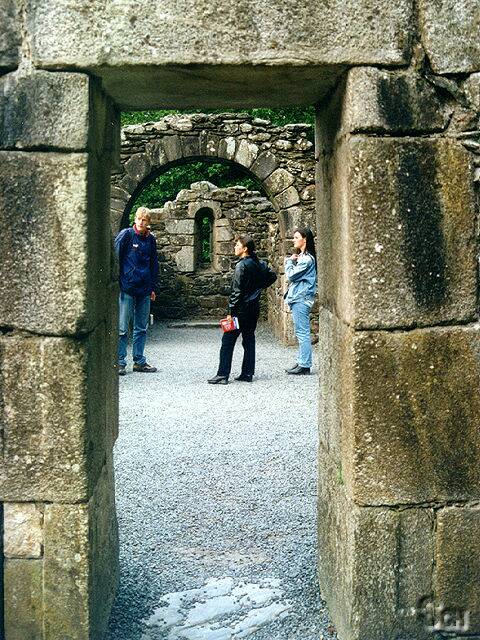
(216, 485)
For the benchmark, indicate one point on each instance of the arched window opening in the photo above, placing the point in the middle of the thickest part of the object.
(204, 219)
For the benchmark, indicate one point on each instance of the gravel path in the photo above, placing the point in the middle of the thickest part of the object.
(216, 491)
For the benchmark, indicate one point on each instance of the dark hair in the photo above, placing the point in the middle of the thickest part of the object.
(249, 244)
(306, 233)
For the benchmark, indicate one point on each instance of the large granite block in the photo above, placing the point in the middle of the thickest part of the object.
(375, 564)
(450, 33)
(23, 530)
(55, 251)
(57, 424)
(23, 599)
(398, 414)
(278, 48)
(10, 37)
(457, 565)
(377, 100)
(81, 564)
(42, 109)
(398, 244)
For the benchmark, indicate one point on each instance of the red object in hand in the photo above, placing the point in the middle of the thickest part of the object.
(229, 325)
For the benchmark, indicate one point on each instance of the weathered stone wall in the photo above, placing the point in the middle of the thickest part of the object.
(281, 159)
(399, 489)
(58, 334)
(398, 379)
(186, 287)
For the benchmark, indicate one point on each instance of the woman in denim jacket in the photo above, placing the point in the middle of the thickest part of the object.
(301, 271)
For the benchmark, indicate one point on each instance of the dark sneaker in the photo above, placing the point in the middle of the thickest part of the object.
(144, 368)
(244, 378)
(299, 371)
(122, 370)
(218, 380)
(295, 366)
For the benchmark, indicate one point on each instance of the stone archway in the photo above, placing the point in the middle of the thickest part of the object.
(282, 159)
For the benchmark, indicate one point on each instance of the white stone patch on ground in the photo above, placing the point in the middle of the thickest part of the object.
(221, 610)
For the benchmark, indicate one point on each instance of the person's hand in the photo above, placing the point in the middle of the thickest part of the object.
(152, 296)
(229, 318)
(294, 256)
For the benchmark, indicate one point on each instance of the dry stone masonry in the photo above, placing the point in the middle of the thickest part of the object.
(397, 90)
(189, 287)
(281, 159)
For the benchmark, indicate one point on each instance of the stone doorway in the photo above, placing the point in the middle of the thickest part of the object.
(396, 99)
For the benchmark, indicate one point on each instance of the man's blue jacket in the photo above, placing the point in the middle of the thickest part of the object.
(138, 259)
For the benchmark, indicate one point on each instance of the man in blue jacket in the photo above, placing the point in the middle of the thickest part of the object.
(136, 248)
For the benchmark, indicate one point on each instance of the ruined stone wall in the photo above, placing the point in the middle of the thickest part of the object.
(399, 488)
(281, 159)
(400, 363)
(188, 287)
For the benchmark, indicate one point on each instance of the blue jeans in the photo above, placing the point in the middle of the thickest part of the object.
(301, 322)
(139, 308)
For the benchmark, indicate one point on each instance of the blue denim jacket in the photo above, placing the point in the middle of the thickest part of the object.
(138, 262)
(302, 276)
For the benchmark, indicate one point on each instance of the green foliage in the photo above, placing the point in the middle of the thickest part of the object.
(206, 239)
(166, 186)
(278, 117)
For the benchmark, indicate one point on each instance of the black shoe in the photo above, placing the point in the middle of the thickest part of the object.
(144, 368)
(244, 378)
(122, 370)
(299, 371)
(295, 366)
(218, 380)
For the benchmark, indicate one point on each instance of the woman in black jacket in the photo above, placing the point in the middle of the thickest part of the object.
(250, 277)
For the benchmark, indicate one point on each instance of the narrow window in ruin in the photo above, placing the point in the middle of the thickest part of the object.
(204, 238)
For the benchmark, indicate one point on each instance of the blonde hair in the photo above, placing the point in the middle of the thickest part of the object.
(143, 211)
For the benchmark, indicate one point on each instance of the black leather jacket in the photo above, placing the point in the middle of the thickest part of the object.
(248, 281)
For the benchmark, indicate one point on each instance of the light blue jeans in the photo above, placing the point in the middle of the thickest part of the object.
(301, 323)
(139, 308)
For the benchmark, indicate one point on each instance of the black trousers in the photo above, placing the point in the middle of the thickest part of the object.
(248, 323)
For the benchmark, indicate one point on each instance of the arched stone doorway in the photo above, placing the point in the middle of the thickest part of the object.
(281, 159)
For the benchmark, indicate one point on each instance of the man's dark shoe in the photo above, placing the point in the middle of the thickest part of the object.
(218, 380)
(244, 378)
(144, 368)
(121, 370)
(299, 371)
(295, 366)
